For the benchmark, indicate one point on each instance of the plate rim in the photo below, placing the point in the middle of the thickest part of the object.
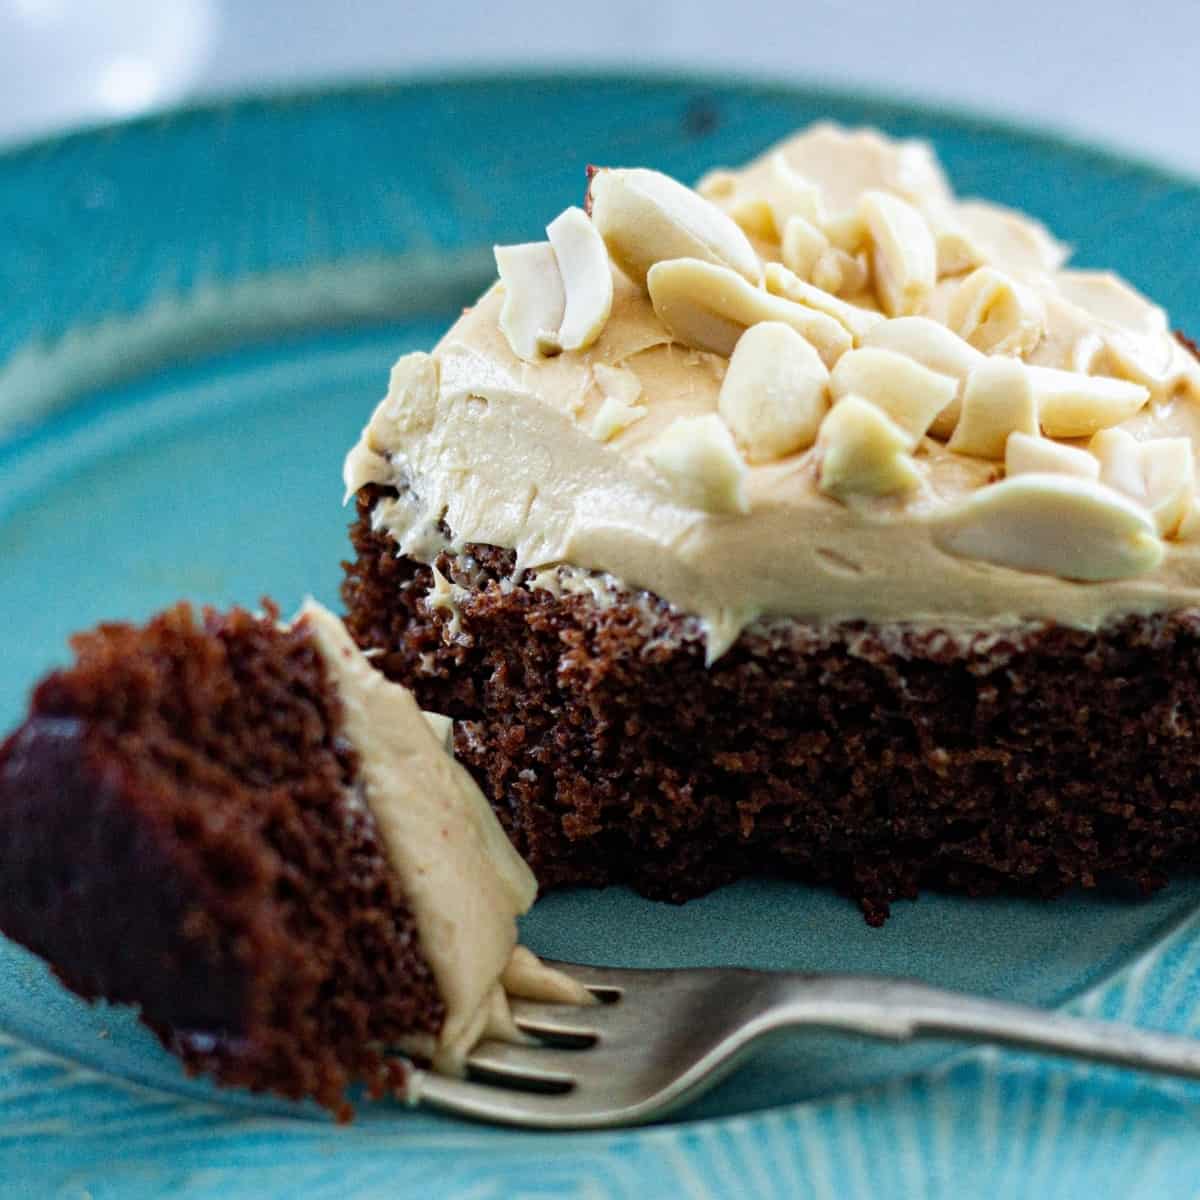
(900, 101)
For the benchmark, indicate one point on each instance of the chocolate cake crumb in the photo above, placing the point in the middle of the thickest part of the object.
(179, 830)
(879, 759)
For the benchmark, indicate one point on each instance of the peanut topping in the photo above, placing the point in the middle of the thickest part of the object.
(1169, 471)
(646, 217)
(864, 452)
(840, 273)
(903, 256)
(774, 393)
(858, 322)
(586, 275)
(1029, 455)
(847, 232)
(998, 400)
(534, 299)
(622, 390)
(718, 185)
(1053, 525)
(753, 213)
(933, 346)
(996, 314)
(910, 394)
(1160, 474)
(808, 328)
(699, 460)
(790, 195)
(618, 383)
(802, 246)
(709, 307)
(1071, 405)
(1119, 459)
(956, 251)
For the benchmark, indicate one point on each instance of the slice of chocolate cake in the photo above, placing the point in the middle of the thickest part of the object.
(245, 830)
(814, 520)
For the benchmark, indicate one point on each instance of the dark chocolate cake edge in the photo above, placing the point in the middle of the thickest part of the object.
(175, 832)
(880, 760)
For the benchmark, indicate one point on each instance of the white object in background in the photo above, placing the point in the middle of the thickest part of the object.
(63, 61)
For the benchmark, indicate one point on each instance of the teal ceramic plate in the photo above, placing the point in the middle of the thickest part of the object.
(196, 314)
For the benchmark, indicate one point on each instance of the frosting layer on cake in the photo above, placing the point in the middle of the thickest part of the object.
(465, 883)
(820, 387)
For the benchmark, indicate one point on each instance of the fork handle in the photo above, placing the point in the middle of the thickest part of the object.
(902, 1010)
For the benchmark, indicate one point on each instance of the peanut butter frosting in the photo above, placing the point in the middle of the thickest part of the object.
(820, 386)
(464, 881)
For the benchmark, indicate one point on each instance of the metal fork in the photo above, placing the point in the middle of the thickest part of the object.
(657, 1039)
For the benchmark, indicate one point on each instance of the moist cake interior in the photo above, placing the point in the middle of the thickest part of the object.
(181, 831)
(878, 761)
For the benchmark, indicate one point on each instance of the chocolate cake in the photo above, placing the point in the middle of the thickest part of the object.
(195, 818)
(813, 521)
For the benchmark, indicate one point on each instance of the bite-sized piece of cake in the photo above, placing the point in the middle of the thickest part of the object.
(245, 830)
(855, 536)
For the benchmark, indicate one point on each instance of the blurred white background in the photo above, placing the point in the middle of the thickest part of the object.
(1116, 72)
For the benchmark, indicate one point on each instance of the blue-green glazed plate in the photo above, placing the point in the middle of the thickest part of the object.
(196, 314)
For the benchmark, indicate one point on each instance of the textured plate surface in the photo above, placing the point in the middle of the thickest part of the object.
(196, 313)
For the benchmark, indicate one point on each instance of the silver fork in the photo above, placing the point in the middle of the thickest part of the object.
(657, 1039)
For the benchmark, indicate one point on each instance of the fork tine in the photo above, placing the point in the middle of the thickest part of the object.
(575, 1109)
(597, 1023)
(485, 1103)
(535, 1064)
(564, 1020)
(605, 978)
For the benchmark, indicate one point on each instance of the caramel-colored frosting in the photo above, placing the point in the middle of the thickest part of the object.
(885, 516)
(463, 880)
